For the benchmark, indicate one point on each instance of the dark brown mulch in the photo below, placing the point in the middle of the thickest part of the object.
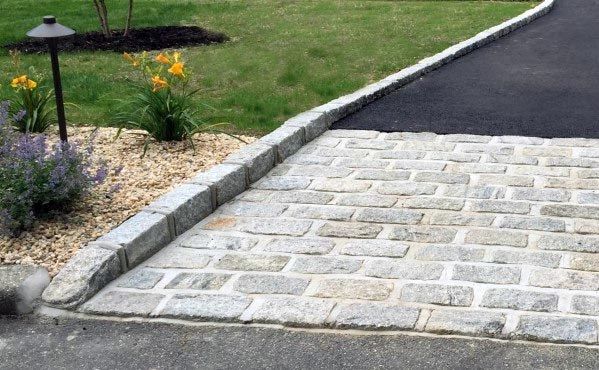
(151, 38)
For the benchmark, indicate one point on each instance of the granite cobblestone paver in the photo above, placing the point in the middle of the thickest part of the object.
(461, 234)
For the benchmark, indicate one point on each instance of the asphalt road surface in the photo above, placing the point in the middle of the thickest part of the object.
(39, 342)
(541, 80)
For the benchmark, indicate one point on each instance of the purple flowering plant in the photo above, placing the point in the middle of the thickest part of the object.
(36, 178)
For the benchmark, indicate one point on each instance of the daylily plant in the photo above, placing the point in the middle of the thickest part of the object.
(164, 105)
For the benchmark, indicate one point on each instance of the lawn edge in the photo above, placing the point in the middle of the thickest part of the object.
(144, 234)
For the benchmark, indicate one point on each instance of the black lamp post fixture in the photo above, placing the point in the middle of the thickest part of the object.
(51, 32)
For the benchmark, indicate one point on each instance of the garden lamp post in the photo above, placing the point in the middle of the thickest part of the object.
(51, 32)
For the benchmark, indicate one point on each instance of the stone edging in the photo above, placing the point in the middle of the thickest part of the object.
(172, 214)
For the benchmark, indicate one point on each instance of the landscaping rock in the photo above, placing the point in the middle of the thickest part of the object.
(20, 288)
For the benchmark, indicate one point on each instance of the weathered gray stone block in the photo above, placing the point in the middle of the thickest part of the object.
(123, 304)
(205, 307)
(199, 281)
(557, 329)
(282, 183)
(477, 192)
(293, 311)
(423, 234)
(349, 230)
(300, 245)
(341, 186)
(252, 209)
(218, 242)
(304, 197)
(82, 277)
(585, 262)
(442, 177)
(326, 265)
(179, 258)
(448, 295)
(588, 198)
(226, 181)
(286, 139)
(449, 253)
(406, 188)
(20, 288)
(516, 299)
(585, 305)
(504, 180)
(411, 136)
(373, 316)
(252, 262)
(362, 163)
(257, 158)
(433, 203)
(389, 216)
(140, 236)
(403, 270)
(454, 157)
(544, 259)
(499, 206)
(370, 144)
(496, 237)
(543, 195)
(487, 274)
(564, 279)
(271, 284)
(406, 164)
(383, 175)
(332, 213)
(319, 171)
(534, 223)
(274, 226)
(411, 155)
(572, 243)
(478, 323)
(186, 205)
(460, 219)
(140, 279)
(353, 289)
(374, 248)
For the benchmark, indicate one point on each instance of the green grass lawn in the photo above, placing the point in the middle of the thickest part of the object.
(284, 57)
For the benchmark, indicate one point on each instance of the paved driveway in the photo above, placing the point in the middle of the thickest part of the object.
(542, 80)
(473, 235)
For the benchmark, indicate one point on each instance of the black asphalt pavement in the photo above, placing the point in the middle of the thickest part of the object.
(541, 80)
(46, 343)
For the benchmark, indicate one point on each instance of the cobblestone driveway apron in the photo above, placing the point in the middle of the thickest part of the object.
(463, 234)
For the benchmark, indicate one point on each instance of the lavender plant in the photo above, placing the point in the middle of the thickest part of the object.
(36, 178)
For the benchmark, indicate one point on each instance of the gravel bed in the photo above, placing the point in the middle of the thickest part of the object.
(52, 242)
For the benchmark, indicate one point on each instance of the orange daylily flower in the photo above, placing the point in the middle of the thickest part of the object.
(177, 69)
(158, 83)
(163, 58)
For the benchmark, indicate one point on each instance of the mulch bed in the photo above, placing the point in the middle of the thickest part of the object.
(141, 39)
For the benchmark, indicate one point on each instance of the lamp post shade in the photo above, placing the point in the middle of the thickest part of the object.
(50, 29)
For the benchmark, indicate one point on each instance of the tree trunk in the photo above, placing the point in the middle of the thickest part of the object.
(129, 16)
(102, 11)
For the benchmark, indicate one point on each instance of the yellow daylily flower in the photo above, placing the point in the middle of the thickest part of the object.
(158, 83)
(176, 56)
(131, 59)
(31, 84)
(23, 82)
(177, 69)
(163, 58)
(18, 81)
